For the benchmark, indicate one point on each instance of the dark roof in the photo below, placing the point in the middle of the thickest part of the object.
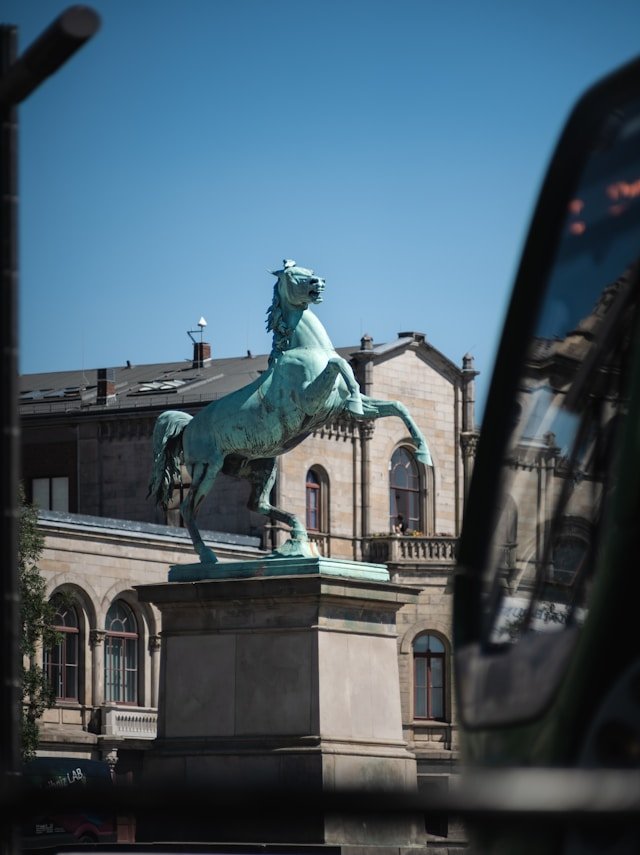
(178, 384)
(165, 384)
(134, 527)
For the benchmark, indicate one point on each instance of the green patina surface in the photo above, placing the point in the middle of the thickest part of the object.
(277, 566)
(306, 386)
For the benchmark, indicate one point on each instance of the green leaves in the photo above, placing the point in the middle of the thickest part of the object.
(38, 632)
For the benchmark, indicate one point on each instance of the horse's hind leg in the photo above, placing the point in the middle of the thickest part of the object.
(202, 477)
(262, 476)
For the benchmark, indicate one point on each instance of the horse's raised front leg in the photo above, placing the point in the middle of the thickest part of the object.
(316, 393)
(374, 408)
(203, 476)
(262, 476)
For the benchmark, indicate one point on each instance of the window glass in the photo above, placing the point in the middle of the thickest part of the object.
(61, 662)
(313, 489)
(429, 677)
(51, 494)
(40, 493)
(60, 494)
(121, 655)
(404, 490)
(570, 401)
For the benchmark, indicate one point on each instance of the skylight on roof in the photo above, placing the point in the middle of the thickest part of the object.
(42, 394)
(154, 386)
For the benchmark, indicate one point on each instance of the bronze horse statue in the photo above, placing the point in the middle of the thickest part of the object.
(306, 385)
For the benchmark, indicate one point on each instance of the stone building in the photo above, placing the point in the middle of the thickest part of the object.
(86, 456)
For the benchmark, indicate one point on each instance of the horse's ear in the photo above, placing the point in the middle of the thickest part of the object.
(274, 272)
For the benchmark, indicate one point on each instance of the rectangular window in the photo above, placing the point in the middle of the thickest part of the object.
(61, 666)
(120, 683)
(429, 687)
(51, 494)
(421, 688)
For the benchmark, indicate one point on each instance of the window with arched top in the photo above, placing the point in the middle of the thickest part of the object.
(121, 655)
(61, 662)
(405, 504)
(429, 671)
(317, 500)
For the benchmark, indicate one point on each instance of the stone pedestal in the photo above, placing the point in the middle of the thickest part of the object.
(286, 683)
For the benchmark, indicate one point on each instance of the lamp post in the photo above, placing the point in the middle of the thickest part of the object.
(19, 76)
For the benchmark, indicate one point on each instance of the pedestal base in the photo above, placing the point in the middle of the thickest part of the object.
(285, 683)
(278, 566)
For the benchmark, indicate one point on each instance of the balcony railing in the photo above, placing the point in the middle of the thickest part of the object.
(397, 548)
(121, 722)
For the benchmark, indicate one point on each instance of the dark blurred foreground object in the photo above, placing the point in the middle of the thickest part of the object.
(19, 76)
(524, 802)
(547, 678)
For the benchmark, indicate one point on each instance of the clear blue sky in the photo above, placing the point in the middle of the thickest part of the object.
(395, 147)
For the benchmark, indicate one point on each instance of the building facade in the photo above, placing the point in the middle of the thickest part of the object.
(86, 458)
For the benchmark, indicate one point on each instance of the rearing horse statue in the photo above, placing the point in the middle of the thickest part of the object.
(306, 385)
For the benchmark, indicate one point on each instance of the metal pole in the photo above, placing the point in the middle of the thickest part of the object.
(18, 78)
(11, 695)
(51, 49)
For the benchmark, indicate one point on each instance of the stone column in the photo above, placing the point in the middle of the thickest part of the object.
(96, 643)
(154, 655)
(468, 434)
(468, 444)
(363, 368)
(366, 433)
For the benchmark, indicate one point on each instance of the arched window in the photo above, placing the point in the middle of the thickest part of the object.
(312, 488)
(61, 662)
(121, 655)
(428, 677)
(317, 500)
(404, 491)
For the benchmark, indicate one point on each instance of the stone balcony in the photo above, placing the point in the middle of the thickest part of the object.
(129, 722)
(399, 549)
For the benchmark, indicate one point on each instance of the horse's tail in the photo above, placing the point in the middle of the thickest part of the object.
(167, 451)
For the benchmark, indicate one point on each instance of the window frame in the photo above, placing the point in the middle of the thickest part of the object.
(400, 492)
(317, 489)
(52, 499)
(56, 659)
(428, 688)
(124, 646)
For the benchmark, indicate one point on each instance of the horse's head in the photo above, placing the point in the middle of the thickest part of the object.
(298, 286)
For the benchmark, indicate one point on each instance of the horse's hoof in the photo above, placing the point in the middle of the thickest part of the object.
(207, 556)
(354, 405)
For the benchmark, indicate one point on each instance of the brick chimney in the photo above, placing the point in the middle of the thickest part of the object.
(106, 393)
(201, 353)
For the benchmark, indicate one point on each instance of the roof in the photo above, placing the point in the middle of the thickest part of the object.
(137, 529)
(144, 386)
(168, 384)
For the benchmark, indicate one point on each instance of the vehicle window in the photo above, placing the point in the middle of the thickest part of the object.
(570, 399)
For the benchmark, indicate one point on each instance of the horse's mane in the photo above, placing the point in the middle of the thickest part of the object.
(276, 324)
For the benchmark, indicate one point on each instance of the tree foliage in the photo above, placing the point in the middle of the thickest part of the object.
(38, 633)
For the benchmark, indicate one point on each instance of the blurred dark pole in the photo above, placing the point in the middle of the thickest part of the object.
(18, 78)
(10, 695)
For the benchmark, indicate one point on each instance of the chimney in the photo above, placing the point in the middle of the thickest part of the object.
(366, 342)
(106, 393)
(201, 353)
